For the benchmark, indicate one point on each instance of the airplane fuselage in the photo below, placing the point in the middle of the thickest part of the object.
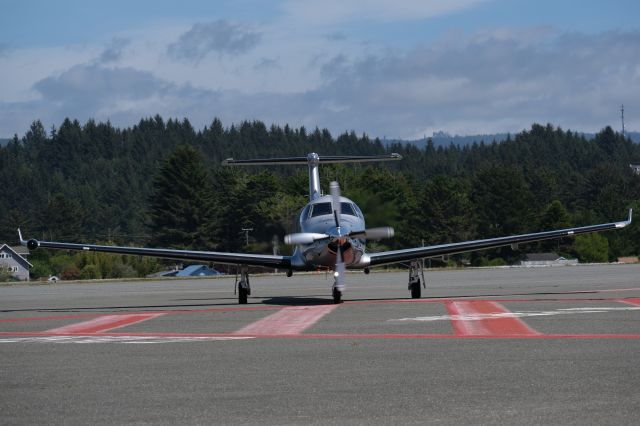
(317, 217)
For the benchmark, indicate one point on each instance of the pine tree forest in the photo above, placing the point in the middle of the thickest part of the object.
(161, 184)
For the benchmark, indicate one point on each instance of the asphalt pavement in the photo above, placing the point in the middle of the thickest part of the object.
(484, 346)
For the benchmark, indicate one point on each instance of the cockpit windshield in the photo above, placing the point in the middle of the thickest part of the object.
(320, 209)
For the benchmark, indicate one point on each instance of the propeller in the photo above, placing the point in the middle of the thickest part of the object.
(334, 188)
(339, 268)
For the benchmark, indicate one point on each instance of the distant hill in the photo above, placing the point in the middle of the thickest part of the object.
(444, 139)
(3, 142)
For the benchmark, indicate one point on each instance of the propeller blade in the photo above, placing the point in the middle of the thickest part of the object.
(334, 188)
(303, 238)
(374, 233)
(339, 270)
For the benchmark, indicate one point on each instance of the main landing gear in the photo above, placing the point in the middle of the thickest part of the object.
(337, 295)
(416, 278)
(244, 289)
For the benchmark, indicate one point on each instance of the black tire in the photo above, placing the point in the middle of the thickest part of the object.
(337, 296)
(416, 291)
(242, 295)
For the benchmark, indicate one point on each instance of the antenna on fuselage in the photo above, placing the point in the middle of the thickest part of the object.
(312, 160)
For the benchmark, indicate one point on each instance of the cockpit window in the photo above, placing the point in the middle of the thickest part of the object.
(305, 212)
(347, 208)
(321, 209)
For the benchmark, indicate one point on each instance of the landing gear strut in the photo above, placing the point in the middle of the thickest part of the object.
(337, 295)
(416, 278)
(244, 289)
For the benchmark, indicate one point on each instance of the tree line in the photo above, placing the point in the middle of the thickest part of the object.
(160, 183)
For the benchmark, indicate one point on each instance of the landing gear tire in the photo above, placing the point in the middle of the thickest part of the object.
(243, 294)
(337, 296)
(416, 291)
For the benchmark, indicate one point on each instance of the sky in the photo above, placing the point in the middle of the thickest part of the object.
(401, 69)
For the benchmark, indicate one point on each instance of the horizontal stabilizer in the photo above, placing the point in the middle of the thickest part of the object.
(312, 158)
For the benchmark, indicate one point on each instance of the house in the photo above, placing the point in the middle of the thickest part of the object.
(546, 259)
(13, 261)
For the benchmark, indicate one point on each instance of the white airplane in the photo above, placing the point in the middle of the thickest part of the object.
(333, 236)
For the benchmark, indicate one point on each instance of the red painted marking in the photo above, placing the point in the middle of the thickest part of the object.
(287, 321)
(101, 324)
(343, 335)
(61, 317)
(353, 302)
(485, 318)
(631, 301)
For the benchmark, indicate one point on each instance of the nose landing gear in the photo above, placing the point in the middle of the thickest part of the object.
(416, 278)
(244, 289)
(337, 295)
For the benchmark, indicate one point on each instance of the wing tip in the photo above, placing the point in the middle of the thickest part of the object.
(625, 222)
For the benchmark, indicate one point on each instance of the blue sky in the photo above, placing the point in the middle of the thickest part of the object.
(395, 69)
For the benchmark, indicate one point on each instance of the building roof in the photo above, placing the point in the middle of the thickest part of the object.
(16, 255)
(21, 250)
(543, 257)
(197, 270)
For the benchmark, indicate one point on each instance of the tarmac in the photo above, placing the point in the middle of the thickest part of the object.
(556, 345)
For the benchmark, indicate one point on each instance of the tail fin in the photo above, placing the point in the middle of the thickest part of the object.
(312, 160)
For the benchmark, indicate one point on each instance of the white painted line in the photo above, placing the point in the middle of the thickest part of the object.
(522, 314)
(118, 339)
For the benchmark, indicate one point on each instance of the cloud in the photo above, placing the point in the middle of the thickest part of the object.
(95, 83)
(492, 81)
(339, 11)
(220, 37)
(122, 95)
(114, 51)
(486, 83)
(267, 63)
(336, 36)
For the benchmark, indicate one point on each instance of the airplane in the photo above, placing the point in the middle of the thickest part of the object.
(332, 236)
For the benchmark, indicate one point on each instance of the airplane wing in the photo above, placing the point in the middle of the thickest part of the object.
(270, 261)
(396, 256)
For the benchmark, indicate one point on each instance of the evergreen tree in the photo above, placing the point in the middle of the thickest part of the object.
(446, 212)
(182, 204)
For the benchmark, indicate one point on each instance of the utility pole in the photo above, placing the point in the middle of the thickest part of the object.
(246, 234)
(622, 118)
